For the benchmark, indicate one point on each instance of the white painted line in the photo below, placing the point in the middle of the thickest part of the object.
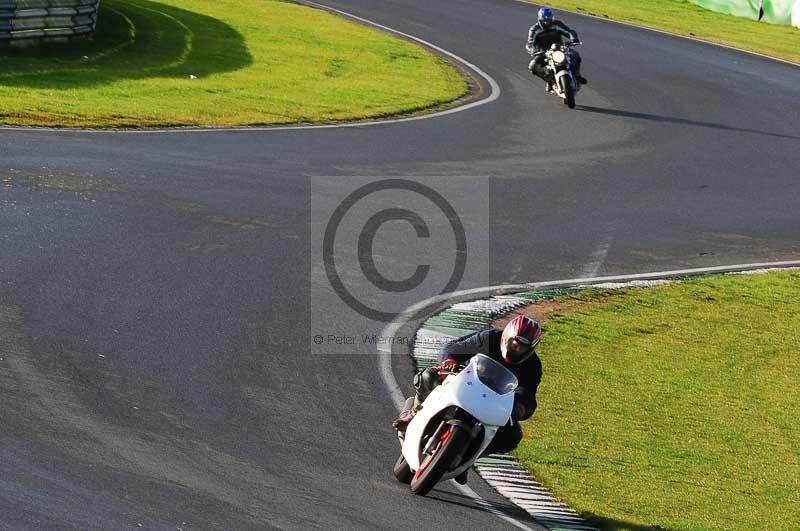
(761, 271)
(598, 258)
(529, 491)
(520, 497)
(504, 481)
(502, 468)
(515, 482)
(664, 274)
(633, 284)
(493, 95)
(510, 478)
(524, 490)
(509, 474)
(530, 487)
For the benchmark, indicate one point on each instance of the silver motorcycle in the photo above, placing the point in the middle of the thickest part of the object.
(558, 62)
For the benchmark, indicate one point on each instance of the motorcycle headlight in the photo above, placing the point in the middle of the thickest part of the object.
(559, 57)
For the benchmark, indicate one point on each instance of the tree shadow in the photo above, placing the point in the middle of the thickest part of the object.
(683, 121)
(135, 39)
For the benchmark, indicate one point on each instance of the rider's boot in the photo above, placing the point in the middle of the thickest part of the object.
(580, 79)
(401, 422)
(548, 87)
(461, 479)
(424, 382)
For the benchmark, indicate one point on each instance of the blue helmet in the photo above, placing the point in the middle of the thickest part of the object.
(545, 16)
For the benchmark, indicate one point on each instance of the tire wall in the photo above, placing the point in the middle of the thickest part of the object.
(29, 21)
(785, 12)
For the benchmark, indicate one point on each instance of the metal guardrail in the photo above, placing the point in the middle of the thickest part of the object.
(28, 21)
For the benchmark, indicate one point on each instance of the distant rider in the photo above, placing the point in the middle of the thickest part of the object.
(542, 35)
(514, 347)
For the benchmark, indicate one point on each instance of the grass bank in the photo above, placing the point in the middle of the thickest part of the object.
(220, 63)
(684, 18)
(673, 407)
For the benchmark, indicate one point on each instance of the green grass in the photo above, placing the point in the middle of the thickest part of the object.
(674, 407)
(257, 62)
(684, 18)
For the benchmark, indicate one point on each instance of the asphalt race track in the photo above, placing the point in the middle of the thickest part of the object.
(156, 289)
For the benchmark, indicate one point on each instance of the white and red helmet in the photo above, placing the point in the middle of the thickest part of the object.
(520, 337)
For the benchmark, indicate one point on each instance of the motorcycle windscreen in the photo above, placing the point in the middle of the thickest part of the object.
(494, 376)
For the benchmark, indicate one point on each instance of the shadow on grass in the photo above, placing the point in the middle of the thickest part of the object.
(683, 121)
(602, 522)
(135, 39)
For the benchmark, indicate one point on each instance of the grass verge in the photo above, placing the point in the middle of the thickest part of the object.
(673, 407)
(684, 18)
(256, 62)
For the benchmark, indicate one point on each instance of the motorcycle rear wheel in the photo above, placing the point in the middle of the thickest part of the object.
(434, 466)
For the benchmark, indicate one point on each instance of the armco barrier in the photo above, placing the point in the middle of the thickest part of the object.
(29, 21)
(786, 12)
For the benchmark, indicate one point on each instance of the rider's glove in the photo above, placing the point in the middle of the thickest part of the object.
(448, 365)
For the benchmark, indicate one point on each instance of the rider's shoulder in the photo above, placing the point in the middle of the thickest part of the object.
(477, 336)
(487, 332)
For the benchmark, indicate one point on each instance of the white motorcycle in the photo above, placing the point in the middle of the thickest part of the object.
(456, 423)
(558, 62)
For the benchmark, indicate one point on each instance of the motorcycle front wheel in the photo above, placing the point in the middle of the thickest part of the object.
(569, 92)
(440, 461)
(402, 471)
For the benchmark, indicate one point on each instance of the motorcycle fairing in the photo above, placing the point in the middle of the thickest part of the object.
(466, 391)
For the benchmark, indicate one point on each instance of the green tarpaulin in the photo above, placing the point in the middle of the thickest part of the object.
(775, 11)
